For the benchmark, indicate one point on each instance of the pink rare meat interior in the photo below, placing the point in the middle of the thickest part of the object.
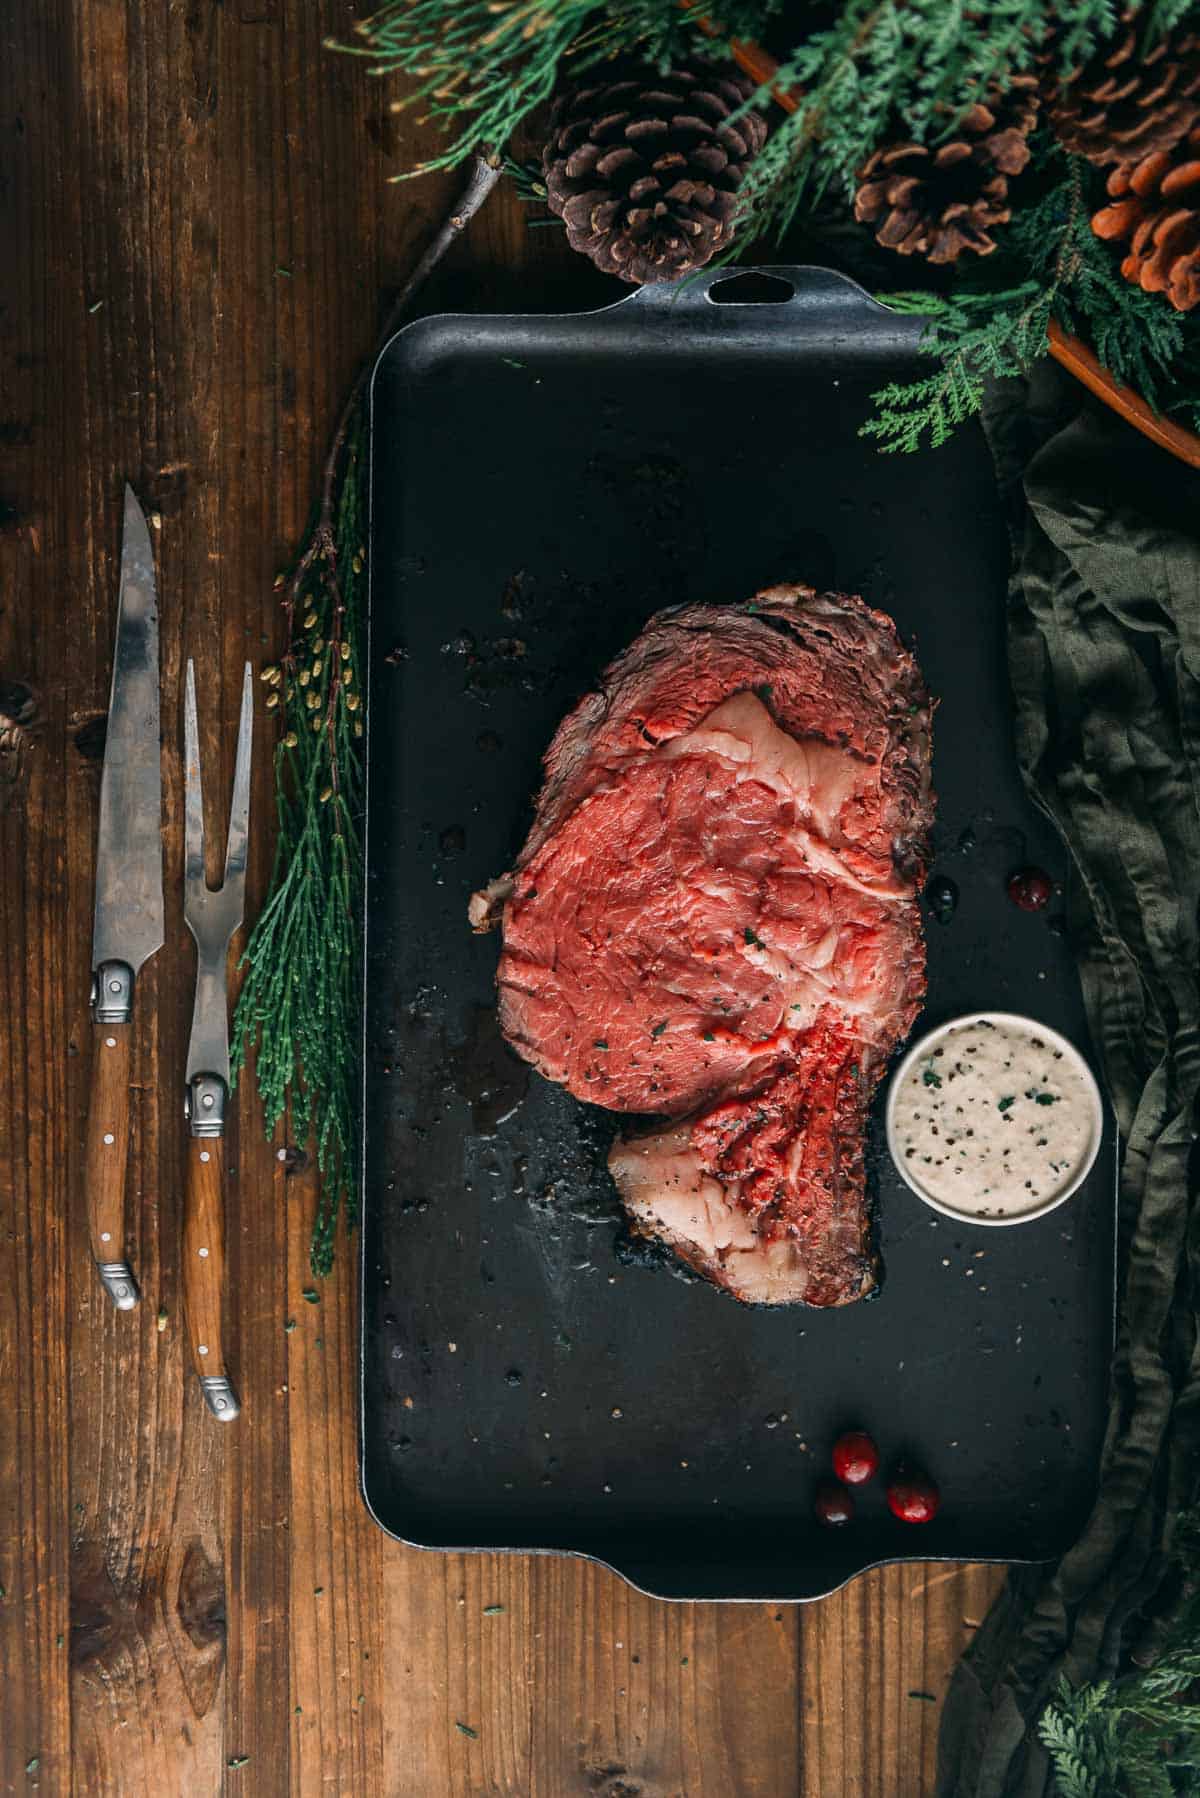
(714, 923)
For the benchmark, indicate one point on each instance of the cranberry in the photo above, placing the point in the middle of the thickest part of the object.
(1030, 888)
(913, 1497)
(834, 1505)
(855, 1458)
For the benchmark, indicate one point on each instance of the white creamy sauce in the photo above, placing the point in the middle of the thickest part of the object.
(994, 1120)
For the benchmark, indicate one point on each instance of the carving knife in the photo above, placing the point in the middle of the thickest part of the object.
(129, 896)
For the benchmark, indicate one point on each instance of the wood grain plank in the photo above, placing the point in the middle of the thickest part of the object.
(637, 1695)
(258, 1721)
(148, 1598)
(34, 1505)
(875, 1662)
(300, 216)
(255, 495)
(339, 1676)
(460, 1634)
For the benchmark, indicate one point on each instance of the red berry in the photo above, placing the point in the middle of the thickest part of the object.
(1030, 888)
(834, 1505)
(913, 1498)
(855, 1458)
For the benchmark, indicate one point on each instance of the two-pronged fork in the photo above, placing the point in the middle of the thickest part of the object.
(212, 915)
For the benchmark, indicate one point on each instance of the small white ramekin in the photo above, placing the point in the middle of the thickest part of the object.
(1069, 1053)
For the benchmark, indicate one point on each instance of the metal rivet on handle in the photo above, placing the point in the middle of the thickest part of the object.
(104, 1236)
(204, 1155)
(203, 1253)
(203, 1349)
(109, 1137)
(111, 1041)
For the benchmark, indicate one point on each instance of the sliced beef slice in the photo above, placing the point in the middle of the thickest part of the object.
(714, 920)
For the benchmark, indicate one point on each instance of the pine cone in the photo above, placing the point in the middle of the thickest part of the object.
(1156, 211)
(644, 167)
(1124, 104)
(941, 201)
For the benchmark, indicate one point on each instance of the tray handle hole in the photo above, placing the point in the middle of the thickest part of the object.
(751, 290)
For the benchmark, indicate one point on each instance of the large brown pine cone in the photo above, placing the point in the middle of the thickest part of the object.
(938, 201)
(644, 167)
(1125, 104)
(1156, 211)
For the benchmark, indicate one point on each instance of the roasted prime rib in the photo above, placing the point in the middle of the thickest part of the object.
(714, 921)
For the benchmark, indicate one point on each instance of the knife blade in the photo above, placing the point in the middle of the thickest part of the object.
(129, 863)
(128, 925)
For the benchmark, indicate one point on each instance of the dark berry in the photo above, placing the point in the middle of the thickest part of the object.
(1030, 888)
(834, 1505)
(941, 895)
(913, 1498)
(855, 1458)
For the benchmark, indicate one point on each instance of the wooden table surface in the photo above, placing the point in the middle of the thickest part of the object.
(197, 244)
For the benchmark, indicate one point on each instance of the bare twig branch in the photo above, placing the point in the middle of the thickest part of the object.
(485, 173)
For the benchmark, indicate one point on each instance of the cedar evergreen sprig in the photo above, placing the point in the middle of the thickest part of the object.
(480, 67)
(1137, 1736)
(300, 1003)
(910, 68)
(529, 185)
(995, 320)
(875, 68)
(527, 179)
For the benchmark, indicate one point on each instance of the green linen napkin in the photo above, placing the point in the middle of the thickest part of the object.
(1104, 651)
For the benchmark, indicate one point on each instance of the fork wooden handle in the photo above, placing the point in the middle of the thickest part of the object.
(204, 1270)
(107, 1159)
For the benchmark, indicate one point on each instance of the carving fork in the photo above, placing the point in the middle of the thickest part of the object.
(212, 915)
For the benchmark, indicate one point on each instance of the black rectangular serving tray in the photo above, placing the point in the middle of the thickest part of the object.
(540, 486)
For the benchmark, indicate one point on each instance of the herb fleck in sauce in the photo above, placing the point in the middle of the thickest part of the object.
(994, 1121)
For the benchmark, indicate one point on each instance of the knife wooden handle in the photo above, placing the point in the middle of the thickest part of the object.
(107, 1157)
(204, 1270)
